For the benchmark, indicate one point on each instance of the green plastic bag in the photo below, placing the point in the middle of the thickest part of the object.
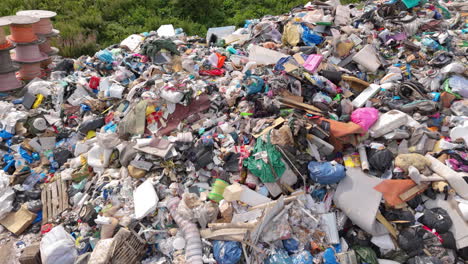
(262, 169)
(365, 255)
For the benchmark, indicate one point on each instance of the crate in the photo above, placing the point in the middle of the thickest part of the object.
(31, 255)
(127, 247)
(54, 198)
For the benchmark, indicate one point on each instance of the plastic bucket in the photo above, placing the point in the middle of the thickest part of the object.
(217, 191)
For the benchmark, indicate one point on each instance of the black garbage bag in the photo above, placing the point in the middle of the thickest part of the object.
(410, 241)
(358, 237)
(463, 253)
(380, 160)
(448, 240)
(436, 218)
(403, 218)
(415, 202)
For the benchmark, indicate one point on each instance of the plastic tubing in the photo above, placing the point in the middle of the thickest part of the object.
(193, 248)
(22, 33)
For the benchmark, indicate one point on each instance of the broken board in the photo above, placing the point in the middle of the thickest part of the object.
(54, 198)
(17, 222)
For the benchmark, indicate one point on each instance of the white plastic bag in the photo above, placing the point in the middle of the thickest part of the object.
(7, 195)
(58, 246)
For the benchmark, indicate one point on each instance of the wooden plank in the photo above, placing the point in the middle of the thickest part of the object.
(387, 224)
(413, 191)
(207, 233)
(276, 123)
(64, 195)
(54, 203)
(288, 199)
(216, 226)
(44, 205)
(49, 203)
(59, 197)
(300, 105)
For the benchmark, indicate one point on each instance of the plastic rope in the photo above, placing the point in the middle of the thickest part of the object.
(30, 71)
(22, 33)
(44, 26)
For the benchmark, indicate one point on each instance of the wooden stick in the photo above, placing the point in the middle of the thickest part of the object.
(217, 226)
(286, 200)
(413, 191)
(387, 224)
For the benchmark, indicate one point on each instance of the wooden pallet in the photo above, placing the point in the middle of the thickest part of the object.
(54, 200)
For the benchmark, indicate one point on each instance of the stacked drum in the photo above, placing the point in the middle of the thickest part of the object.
(8, 70)
(45, 30)
(27, 52)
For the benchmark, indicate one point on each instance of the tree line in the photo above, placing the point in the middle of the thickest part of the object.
(89, 25)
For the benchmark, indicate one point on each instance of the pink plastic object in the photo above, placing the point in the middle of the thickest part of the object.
(312, 62)
(365, 117)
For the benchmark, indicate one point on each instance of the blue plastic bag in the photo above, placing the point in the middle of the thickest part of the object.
(291, 245)
(227, 252)
(329, 256)
(303, 257)
(309, 37)
(279, 257)
(326, 172)
(105, 56)
(254, 84)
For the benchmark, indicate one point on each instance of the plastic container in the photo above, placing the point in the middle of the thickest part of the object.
(331, 229)
(217, 190)
(410, 3)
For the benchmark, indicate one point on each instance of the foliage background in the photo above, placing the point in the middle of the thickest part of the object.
(88, 25)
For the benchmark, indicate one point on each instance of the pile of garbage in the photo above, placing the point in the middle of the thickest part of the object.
(331, 134)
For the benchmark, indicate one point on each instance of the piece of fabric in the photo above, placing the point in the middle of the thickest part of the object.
(264, 159)
(391, 190)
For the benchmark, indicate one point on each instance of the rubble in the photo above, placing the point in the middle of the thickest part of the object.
(330, 134)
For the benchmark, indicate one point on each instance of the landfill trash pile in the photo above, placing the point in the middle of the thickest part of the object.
(331, 134)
